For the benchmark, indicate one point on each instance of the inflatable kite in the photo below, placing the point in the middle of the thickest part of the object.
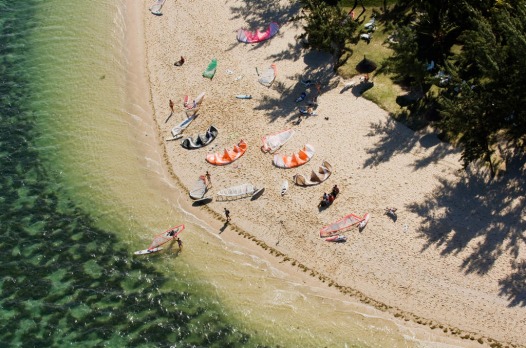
(257, 36)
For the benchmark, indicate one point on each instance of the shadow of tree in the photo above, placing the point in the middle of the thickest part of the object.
(514, 285)
(319, 68)
(485, 219)
(260, 13)
(395, 138)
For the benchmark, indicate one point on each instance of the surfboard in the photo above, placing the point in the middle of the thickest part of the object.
(147, 251)
(365, 220)
(243, 96)
(284, 187)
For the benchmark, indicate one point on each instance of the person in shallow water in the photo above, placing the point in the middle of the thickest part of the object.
(180, 244)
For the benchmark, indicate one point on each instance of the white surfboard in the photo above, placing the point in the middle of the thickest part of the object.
(147, 251)
(284, 187)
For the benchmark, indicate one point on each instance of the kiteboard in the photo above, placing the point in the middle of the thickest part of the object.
(284, 187)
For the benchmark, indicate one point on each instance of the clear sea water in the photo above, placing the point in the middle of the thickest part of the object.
(82, 187)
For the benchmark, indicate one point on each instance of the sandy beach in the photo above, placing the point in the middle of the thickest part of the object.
(434, 264)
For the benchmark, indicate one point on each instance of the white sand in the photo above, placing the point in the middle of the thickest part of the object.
(377, 163)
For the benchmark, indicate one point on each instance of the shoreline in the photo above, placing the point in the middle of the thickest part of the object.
(365, 280)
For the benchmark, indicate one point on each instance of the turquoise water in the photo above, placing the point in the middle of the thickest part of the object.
(63, 279)
(83, 186)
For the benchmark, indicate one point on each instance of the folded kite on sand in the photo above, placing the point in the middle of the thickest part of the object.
(201, 140)
(257, 36)
(228, 156)
(273, 142)
(268, 77)
(295, 160)
(211, 69)
(325, 171)
(340, 225)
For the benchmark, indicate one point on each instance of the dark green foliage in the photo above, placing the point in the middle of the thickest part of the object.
(481, 103)
(328, 26)
(492, 63)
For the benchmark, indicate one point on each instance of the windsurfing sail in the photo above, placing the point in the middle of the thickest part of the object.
(268, 77)
(340, 225)
(160, 239)
(257, 36)
(273, 142)
(200, 188)
(166, 236)
(211, 69)
(237, 192)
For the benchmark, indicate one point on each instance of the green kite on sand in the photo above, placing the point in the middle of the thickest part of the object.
(211, 69)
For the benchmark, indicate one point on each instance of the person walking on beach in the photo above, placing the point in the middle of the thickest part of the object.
(208, 179)
(180, 244)
(227, 214)
(172, 105)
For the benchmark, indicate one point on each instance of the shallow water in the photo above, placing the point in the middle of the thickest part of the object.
(83, 186)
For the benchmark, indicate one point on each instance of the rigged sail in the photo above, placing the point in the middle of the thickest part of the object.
(342, 224)
(165, 237)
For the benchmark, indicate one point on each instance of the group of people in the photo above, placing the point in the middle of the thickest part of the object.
(327, 199)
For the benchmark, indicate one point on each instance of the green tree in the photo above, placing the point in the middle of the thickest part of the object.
(486, 111)
(328, 27)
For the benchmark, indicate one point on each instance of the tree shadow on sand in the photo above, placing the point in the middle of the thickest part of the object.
(260, 13)
(485, 219)
(319, 68)
(395, 138)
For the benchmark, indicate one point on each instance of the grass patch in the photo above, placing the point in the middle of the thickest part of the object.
(385, 91)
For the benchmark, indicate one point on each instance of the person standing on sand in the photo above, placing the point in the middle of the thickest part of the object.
(171, 105)
(208, 178)
(335, 191)
(180, 244)
(227, 214)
